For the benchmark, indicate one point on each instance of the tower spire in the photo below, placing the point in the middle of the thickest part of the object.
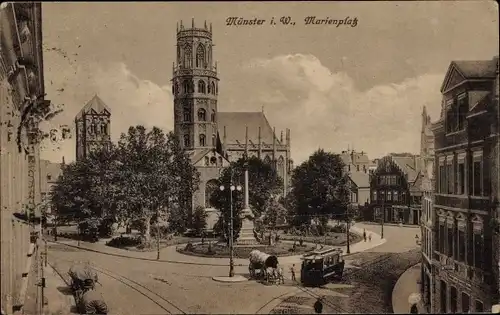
(192, 22)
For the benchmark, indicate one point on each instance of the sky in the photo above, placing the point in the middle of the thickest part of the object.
(334, 87)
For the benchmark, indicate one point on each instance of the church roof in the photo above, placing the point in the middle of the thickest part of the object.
(236, 123)
(96, 105)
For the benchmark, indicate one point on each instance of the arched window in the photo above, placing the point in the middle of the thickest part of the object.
(212, 87)
(211, 186)
(104, 129)
(267, 159)
(200, 57)
(188, 56)
(186, 86)
(209, 88)
(201, 86)
(214, 140)
(186, 141)
(202, 140)
(216, 88)
(178, 53)
(212, 118)
(202, 114)
(207, 161)
(187, 114)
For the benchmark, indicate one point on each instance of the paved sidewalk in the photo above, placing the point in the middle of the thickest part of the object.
(406, 285)
(170, 254)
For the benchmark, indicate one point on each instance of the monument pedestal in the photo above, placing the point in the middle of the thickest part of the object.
(246, 236)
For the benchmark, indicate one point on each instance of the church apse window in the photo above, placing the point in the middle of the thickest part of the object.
(212, 118)
(186, 141)
(202, 140)
(187, 114)
(200, 57)
(201, 87)
(202, 114)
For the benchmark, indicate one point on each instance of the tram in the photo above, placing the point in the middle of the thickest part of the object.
(321, 267)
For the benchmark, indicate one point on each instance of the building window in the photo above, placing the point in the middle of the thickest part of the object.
(395, 195)
(374, 195)
(478, 249)
(187, 114)
(462, 110)
(442, 237)
(207, 161)
(214, 140)
(450, 235)
(202, 140)
(201, 87)
(209, 88)
(449, 174)
(443, 295)
(465, 303)
(186, 141)
(477, 174)
(461, 245)
(461, 177)
(389, 195)
(49, 177)
(403, 197)
(212, 118)
(453, 300)
(200, 57)
(479, 306)
(213, 87)
(382, 195)
(186, 86)
(442, 179)
(202, 114)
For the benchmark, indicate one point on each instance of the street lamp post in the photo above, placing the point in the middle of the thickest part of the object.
(383, 217)
(347, 229)
(231, 225)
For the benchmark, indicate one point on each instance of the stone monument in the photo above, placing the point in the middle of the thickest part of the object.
(247, 237)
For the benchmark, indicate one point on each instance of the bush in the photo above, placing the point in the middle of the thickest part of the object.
(124, 241)
(189, 247)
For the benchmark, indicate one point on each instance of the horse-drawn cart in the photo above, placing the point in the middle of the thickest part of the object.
(83, 284)
(264, 267)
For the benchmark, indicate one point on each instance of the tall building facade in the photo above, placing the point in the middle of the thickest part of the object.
(395, 190)
(466, 166)
(427, 219)
(211, 138)
(21, 92)
(92, 127)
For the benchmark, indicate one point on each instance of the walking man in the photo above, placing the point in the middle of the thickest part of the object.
(364, 234)
(292, 271)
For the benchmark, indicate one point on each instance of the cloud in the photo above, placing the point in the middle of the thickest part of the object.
(132, 100)
(325, 109)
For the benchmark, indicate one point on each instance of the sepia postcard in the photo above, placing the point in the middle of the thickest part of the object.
(249, 157)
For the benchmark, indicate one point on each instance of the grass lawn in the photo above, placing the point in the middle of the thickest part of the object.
(279, 249)
(333, 239)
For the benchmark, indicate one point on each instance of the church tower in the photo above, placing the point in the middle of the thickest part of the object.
(92, 127)
(195, 89)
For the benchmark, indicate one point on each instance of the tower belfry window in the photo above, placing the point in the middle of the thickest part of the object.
(202, 115)
(186, 87)
(186, 141)
(212, 118)
(212, 87)
(201, 87)
(187, 114)
(202, 140)
(200, 57)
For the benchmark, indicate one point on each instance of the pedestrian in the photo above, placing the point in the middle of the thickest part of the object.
(292, 271)
(370, 237)
(364, 234)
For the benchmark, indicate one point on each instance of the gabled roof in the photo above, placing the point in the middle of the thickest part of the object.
(361, 179)
(462, 70)
(236, 123)
(96, 105)
(410, 166)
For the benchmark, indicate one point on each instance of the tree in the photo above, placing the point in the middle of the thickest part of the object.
(320, 188)
(199, 220)
(263, 184)
(158, 174)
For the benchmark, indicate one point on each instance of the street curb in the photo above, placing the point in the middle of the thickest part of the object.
(396, 284)
(235, 279)
(272, 304)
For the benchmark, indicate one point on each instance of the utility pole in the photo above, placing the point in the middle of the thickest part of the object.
(348, 221)
(383, 216)
(157, 233)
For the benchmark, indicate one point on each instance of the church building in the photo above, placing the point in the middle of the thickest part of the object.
(213, 139)
(92, 127)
